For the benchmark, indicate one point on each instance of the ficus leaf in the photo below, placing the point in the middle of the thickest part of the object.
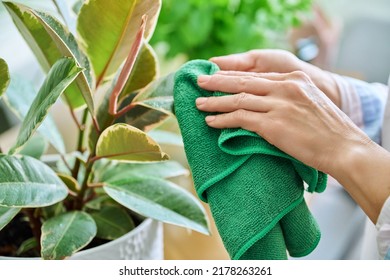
(105, 170)
(109, 42)
(7, 214)
(50, 40)
(112, 222)
(62, 74)
(161, 200)
(27, 182)
(145, 71)
(19, 97)
(65, 234)
(4, 76)
(124, 142)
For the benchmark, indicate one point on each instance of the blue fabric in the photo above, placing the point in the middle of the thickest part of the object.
(387, 257)
(373, 107)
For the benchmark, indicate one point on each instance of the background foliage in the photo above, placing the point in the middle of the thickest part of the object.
(201, 29)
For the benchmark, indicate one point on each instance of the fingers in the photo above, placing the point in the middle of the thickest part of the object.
(238, 62)
(229, 103)
(270, 75)
(235, 84)
(248, 120)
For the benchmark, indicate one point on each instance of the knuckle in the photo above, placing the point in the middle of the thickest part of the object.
(239, 99)
(240, 115)
(292, 86)
(242, 82)
(300, 75)
(254, 53)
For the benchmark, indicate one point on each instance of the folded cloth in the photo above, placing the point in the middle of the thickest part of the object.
(254, 190)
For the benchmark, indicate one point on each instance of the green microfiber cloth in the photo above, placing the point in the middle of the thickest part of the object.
(254, 190)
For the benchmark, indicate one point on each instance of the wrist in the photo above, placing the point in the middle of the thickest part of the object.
(363, 171)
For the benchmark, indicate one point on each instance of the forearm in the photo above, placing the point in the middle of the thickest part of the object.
(363, 170)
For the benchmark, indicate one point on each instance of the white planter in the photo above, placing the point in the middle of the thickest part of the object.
(145, 242)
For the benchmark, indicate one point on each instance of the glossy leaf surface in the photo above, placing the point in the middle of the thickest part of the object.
(112, 222)
(109, 41)
(61, 75)
(27, 182)
(19, 97)
(50, 40)
(161, 200)
(124, 142)
(66, 234)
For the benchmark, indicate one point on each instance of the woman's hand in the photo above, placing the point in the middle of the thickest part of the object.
(287, 110)
(280, 61)
(292, 113)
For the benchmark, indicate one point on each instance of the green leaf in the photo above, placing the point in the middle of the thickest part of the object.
(104, 119)
(100, 201)
(4, 76)
(115, 170)
(144, 71)
(112, 222)
(161, 200)
(124, 142)
(109, 41)
(52, 210)
(66, 234)
(162, 87)
(68, 46)
(62, 74)
(163, 104)
(35, 35)
(35, 147)
(6, 215)
(70, 182)
(139, 77)
(27, 245)
(50, 40)
(154, 104)
(166, 137)
(145, 118)
(19, 97)
(27, 182)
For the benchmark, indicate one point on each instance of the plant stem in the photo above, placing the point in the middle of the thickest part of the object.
(66, 163)
(35, 224)
(125, 110)
(84, 186)
(79, 126)
(80, 143)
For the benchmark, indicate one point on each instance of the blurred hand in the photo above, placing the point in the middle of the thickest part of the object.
(280, 61)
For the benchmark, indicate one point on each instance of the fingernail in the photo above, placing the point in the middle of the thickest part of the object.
(203, 78)
(201, 100)
(209, 119)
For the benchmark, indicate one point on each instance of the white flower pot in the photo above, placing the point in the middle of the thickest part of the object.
(145, 242)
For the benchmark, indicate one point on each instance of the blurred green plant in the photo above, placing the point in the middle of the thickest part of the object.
(201, 29)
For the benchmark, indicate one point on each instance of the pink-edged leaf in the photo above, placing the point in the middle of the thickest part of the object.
(127, 67)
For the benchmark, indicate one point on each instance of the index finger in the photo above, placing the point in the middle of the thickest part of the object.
(236, 84)
(237, 62)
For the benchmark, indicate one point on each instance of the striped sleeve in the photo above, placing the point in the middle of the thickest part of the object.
(364, 103)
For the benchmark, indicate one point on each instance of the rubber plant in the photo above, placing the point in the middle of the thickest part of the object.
(118, 173)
